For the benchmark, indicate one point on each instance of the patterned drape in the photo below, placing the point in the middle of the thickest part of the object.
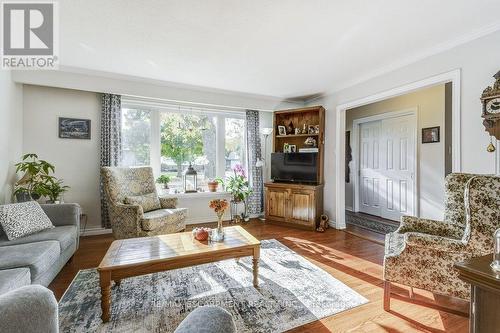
(254, 154)
(111, 142)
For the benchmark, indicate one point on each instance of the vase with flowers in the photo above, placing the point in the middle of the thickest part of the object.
(238, 186)
(219, 206)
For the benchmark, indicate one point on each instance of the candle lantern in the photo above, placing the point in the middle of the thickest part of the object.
(496, 251)
(190, 180)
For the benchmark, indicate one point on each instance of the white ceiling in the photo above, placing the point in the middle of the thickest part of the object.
(283, 48)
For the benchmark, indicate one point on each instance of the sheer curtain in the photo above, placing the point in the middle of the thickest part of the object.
(111, 142)
(254, 154)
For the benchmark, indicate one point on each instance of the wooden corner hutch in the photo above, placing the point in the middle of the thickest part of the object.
(292, 204)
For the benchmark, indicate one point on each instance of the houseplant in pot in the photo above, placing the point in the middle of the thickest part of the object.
(238, 186)
(164, 180)
(31, 184)
(53, 189)
(213, 185)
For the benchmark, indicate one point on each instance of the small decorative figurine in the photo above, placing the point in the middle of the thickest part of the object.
(323, 223)
(289, 128)
(304, 129)
(310, 141)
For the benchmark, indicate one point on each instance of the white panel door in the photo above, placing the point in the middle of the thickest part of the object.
(397, 163)
(369, 168)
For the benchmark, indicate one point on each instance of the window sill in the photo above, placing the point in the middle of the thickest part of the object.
(164, 193)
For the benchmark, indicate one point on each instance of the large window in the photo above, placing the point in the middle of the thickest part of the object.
(188, 139)
(171, 139)
(136, 137)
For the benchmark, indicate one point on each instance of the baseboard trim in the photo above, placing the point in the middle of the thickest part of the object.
(95, 231)
(200, 220)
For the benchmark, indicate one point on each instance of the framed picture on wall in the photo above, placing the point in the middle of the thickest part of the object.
(430, 134)
(73, 128)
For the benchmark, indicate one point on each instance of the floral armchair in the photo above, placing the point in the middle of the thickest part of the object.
(135, 210)
(421, 253)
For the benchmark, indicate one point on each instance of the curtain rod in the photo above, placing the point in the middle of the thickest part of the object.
(171, 104)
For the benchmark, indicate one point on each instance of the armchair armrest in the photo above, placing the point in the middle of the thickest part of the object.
(430, 227)
(168, 202)
(126, 220)
(29, 309)
(435, 242)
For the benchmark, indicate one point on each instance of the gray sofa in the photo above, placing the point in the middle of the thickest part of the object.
(37, 258)
(33, 309)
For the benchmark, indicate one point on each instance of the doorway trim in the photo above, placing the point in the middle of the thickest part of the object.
(356, 150)
(453, 76)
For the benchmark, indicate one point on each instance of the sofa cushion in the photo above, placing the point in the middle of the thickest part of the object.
(38, 256)
(22, 219)
(148, 202)
(154, 219)
(65, 235)
(11, 279)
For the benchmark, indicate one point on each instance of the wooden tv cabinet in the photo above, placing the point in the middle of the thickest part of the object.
(294, 205)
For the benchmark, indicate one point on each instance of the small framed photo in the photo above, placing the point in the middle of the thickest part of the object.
(430, 134)
(74, 128)
(286, 148)
(281, 130)
(292, 148)
(311, 129)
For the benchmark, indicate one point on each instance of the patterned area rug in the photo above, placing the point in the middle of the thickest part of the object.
(292, 292)
(372, 223)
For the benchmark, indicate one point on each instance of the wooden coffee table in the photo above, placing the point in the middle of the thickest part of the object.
(138, 256)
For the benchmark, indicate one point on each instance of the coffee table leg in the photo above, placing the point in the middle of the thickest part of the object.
(105, 279)
(255, 261)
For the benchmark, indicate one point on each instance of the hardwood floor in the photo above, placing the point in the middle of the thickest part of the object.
(355, 261)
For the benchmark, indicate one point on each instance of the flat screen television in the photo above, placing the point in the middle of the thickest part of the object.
(294, 167)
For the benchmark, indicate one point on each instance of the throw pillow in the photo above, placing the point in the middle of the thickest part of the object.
(23, 219)
(148, 202)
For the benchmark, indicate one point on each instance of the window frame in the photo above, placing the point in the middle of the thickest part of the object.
(155, 108)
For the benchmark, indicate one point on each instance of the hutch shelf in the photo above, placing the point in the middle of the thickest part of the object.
(294, 204)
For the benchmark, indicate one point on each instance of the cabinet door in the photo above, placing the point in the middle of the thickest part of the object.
(276, 199)
(301, 205)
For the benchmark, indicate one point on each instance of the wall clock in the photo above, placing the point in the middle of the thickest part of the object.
(491, 110)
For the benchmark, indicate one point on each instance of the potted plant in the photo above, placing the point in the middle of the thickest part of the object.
(164, 180)
(239, 188)
(213, 185)
(30, 186)
(53, 189)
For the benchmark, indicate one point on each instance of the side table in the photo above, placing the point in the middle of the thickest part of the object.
(485, 293)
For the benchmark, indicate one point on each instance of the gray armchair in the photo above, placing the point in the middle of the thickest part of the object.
(135, 210)
(29, 309)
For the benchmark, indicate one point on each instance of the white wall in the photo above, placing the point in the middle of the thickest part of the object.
(430, 106)
(97, 81)
(76, 161)
(477, 60)
(11, 138)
